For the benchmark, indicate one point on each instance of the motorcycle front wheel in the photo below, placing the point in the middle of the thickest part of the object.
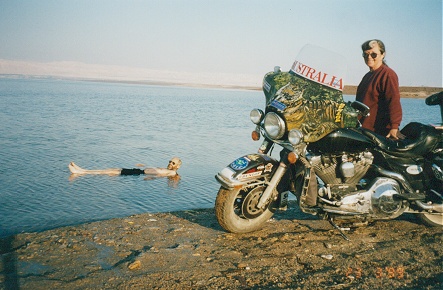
(236, 209)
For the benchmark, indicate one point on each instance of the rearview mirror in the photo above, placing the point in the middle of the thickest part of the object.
(361, 108)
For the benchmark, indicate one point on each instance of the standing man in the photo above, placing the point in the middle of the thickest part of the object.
(379, 90)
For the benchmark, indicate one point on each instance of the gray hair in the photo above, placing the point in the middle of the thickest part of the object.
(367, 45)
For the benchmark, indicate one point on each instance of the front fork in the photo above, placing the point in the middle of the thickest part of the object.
(279, 173)
(272, 185)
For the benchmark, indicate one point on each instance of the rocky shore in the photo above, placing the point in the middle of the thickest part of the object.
(189, 250)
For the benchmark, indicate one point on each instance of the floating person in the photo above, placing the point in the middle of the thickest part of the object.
(170, 171)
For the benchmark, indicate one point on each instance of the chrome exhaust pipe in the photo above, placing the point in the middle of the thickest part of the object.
(430, 207)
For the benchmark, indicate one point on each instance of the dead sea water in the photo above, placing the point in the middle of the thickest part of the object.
(47, 123)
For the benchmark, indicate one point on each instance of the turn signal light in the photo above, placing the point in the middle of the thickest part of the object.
(255, 135)
(292, 157)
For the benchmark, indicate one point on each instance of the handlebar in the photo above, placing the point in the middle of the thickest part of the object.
(361, 108)
(436, 99)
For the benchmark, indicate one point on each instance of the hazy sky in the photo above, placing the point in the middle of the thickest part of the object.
(234, 37)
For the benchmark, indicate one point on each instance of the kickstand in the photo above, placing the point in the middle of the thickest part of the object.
(338, 228)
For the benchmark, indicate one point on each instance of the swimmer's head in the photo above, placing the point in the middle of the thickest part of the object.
(174, 163)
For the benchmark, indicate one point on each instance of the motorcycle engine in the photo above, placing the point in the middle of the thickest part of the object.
(342, 173)
(377, 201)
(342, 185)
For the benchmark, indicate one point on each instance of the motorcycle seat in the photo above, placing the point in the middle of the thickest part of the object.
(420, 140)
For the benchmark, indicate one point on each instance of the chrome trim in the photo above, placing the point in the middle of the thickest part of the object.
(341, 212)
(438, 173)
(260, 115)
(437, 194)
(298, 135)
(228, 183)
(280, 124)
(430, 207)
(396, 176)
(272, 185)
(226, 180)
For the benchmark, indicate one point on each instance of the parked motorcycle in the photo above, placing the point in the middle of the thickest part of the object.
(337, 170)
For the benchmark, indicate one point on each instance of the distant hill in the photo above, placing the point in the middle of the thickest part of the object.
(109, 73)
(405, 92)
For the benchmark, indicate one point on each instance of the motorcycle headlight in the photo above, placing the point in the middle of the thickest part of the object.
(256, 116)
(295, 137)
(274, 125)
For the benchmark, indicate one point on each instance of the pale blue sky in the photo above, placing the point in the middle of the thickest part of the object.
(239, 37)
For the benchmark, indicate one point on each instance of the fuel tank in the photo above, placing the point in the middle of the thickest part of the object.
(342, 140)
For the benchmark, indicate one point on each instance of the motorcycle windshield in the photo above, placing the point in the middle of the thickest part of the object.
(309, 97)
(320, 66)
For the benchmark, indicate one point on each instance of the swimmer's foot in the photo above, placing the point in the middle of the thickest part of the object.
(74, 168)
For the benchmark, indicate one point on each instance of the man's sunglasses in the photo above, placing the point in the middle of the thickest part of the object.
(373, 55)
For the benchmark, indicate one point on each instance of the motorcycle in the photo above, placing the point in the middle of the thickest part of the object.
(336, 169)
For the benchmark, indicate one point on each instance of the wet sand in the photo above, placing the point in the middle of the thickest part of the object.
(189, 250)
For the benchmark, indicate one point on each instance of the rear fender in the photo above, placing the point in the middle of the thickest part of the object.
(247, 169)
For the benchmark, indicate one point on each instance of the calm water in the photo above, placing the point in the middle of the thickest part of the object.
(45, 124)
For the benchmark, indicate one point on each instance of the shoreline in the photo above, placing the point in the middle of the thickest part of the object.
(189, 250)
(418, 92)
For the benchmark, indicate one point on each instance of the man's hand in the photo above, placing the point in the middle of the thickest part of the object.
(395, 134)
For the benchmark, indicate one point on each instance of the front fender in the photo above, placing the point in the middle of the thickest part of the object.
(245, 169)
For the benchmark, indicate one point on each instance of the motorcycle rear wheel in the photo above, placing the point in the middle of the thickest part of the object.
(236, 209)
(433, 220)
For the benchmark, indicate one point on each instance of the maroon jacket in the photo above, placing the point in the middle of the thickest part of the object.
(379, 90)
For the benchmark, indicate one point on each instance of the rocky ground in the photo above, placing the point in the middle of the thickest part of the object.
(188, 250)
